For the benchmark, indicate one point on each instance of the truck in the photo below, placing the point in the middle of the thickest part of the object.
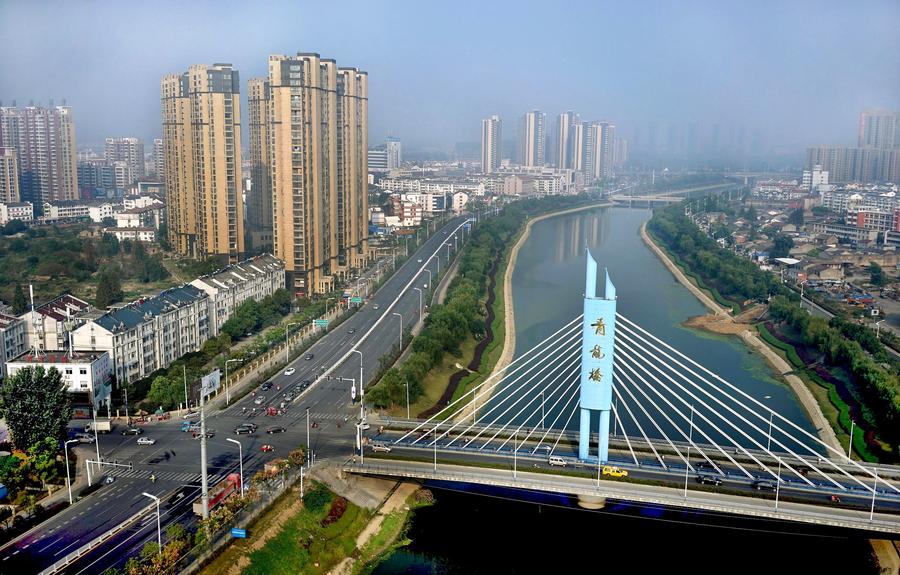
(99, 426)
(219, 493)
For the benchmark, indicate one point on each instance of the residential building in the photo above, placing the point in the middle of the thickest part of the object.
(577, 137)
(13, 342)
(532, 137)
(135, 234)
(562, 140)
(65, 210)
(491, 144)
(393, 148)
(148, 216)
(100, 210)
(842, 200)
(869, 219)
(96, 179)
(814, 178)
(23, 211)
(47, 326)
(318, 145)
(201, 115)
(255, 278)
(259, 196)
(130, 151)
(9, 176)
(85, 374)
(843, 231)
(44, 140)
(148, 334)
(864, 165)
(159, 160)
(878, 129)
(378, 160)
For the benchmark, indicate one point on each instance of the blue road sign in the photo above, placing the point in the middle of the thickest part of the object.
(238, 533)
(321, 323)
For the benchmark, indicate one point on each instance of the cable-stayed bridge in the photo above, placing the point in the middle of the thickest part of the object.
(603, 409)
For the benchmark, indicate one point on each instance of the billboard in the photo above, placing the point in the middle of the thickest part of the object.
(210, 383)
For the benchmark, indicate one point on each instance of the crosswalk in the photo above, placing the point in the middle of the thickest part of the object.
(291, 415)
(176, 476)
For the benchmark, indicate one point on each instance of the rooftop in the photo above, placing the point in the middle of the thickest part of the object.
(243, 271)
(141, 311)
(62, 307)
(58, 357)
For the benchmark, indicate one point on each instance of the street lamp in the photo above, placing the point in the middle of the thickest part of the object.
(227, 390)
(878, 328)
(158, 526)
(362, 392)
(448, 250)
(66, 455)
(287, 345)
(240, 460)
(401, 328)
(326, 306)
(850, 443)
(407, 397)
(420, 302)
(429, 276)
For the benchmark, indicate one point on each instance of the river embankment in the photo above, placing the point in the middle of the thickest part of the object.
(720, 321)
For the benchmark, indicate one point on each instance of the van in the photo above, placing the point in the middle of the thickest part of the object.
(556, 460)
(381, 447)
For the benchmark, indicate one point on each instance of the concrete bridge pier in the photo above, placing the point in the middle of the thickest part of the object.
(591, 501)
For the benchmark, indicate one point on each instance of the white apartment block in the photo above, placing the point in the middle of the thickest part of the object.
(82, 372)
(23, 211)
(149, 334)
(134, 234)
(12, 340)
(228, 288)
(45, 326)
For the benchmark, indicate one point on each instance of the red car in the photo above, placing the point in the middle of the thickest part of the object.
(267, 448)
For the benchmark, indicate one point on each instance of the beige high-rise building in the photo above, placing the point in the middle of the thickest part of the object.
(318, 148)
(259, 197)
(491, 134)
(201, 114)
(128, 150)
(9, 176)
(159, 160)
(532, 137)
(562, 140)
(44, 140)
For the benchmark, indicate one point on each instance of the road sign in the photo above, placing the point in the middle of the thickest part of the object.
(210, 383)
(238, 533)
(321, 323)
(356, 300)
(353, 393)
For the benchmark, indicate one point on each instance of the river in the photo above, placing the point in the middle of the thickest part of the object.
(465, 533)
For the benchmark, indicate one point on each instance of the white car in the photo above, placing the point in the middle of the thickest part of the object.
(145, 441)
(259, 400)
(289, 371)
(381, 447)
(191, 415)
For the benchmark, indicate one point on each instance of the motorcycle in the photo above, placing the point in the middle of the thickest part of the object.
(153, 478)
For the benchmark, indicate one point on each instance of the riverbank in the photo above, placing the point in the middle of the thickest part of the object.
(721, 322)
(509, 320)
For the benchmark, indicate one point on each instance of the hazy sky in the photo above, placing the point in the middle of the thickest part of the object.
(798, 70)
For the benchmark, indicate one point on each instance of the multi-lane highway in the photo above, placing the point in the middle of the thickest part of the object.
(328, 366)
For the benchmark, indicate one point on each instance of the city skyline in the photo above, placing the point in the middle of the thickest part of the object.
(743, 70)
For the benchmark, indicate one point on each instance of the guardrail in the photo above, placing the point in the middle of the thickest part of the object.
(91, 545)
(669, 496)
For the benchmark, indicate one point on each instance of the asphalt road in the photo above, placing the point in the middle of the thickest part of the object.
(174, 458)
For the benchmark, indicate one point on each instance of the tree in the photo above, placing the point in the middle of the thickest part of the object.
(19, 303)
(36, 405)
(781, 247)
(109, 289)
(876, 274)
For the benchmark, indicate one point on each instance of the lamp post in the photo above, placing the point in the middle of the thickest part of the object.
(287, 345)
(240, 460)
(778, 484)
(158, 526)
(850, 443)
(362, 392)
(227, 390)
(429, 276)
(308, 448)
(448, 251)
(326, 306)
(878, 328)
(401, 328)
(66, 455)
(874, 490)
(769, 442)
(406, 383)
(420, 302)
(687, 462)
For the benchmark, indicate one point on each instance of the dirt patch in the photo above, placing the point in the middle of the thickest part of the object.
(727, 325)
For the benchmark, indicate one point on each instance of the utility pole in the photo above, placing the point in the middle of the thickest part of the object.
(187, 405)
(204, 482)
